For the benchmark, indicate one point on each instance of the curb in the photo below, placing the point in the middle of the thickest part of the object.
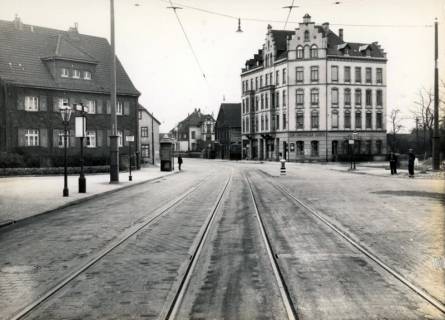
(82, 200)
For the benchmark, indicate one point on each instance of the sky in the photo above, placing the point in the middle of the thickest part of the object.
(155, 53)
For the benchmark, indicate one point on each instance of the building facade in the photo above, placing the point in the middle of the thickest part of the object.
(42, 69)
(148, 137)
(307, 91)
(228, 131)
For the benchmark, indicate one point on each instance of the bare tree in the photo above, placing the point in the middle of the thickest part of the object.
(424, 115)
(396, 126)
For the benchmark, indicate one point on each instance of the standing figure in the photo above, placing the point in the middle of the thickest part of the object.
(411, 159)
(179, 162)
(393, 162)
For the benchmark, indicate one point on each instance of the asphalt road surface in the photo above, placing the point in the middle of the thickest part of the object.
(234, 240)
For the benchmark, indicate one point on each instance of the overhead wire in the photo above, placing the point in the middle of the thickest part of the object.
(288, 14)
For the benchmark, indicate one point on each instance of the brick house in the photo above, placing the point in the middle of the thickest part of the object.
(228, 131)
(42, 68)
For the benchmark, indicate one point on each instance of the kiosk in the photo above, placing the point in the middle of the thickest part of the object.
(167, 158)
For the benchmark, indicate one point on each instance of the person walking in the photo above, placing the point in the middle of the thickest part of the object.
(179, 162)
(411, 159)
(393, 162)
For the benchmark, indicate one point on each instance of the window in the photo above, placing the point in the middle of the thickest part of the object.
(256, 103)
(379, 120)
(314, 120)
(358, 97)
(358, 74)
(300, 120)
(284, 98)
(334, 147)
(261, 81)
(76, 74)
(277, 126)
(306, 36)
(284, 76)
(266, 119)
(347, 119)
(119, 108)
(299, 52)
(267, 79)
(358, 119)
(334, 97)
(91, 106)
(266, 100)
(256, 123)
(314, 73)
(299, 97)
(347, 74)
(277, 99)
(62, 102)
(256, 83)
(379, 75)
(193, 134)
(145, 150)
(300, 148)
(314, 51)
(334, 73)
(368, 97)
(379, 98)
(251, 84)
(284, 122)
(334, 119)
(247, 105)
(139, 114)
(314, 97)
(262, 101)
(347, 97)
(91, 139)
(87, 75)
(120, 139)
(144, 132)
(262, 123)
(368, 146)
(368, 75)
(61, 139)
(32, 138)
(277, 77)
(65, 73)
(299, 74)
(368, 120)
(378, 146)
(314, 148)
(31, 103)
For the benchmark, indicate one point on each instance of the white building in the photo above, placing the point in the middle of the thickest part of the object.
(148, 137)
(307, 91)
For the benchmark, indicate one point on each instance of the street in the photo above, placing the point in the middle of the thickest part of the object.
(234, 240)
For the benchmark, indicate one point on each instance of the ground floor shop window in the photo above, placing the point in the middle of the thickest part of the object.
(314, 148)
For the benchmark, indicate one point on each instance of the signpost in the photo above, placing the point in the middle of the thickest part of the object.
(129, 139)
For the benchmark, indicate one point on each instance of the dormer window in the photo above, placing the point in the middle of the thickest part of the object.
(306, 36)
(76, 74)
(65, 73)
(87, 75)
(346, 51)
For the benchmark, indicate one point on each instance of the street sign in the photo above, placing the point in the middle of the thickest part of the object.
(129, 138)
(80, 127)
(351, 141)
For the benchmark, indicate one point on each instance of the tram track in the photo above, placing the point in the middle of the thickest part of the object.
(141, 224)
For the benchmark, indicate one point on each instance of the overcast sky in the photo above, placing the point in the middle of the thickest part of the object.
(154, 52)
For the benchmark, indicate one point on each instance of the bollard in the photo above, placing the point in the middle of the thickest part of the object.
(283, 167)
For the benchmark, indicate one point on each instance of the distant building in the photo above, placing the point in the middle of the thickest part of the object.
(148, 137)
(307, 90)
(228, 131)
(195, 133)
(40, 70)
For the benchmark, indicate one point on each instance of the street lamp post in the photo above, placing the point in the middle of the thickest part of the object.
(354, 138)
(65, 112)
(129, 139)
(80, 133)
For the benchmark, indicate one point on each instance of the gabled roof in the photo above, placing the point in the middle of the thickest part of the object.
(195, 119)
(143, 109)
(229, 115)
(24, 54)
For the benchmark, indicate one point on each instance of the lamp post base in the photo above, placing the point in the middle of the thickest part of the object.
(82, 185)
(114, 159)
(130, 178)
(66, 192)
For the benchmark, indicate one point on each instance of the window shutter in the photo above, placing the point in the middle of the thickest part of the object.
(43, 137)
(126, 108)
(21, 137)
(99, 106)
(72, 138)
(99, 138)
(20, 101)
(42, 102)
(108, 137)
(56, 104)
(108, 107)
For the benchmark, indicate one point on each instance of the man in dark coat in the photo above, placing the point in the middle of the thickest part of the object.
(393, 162)
(411, 159)
(179, 162)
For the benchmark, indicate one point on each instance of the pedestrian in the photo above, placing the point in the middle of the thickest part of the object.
(411, 159)
(179, 162)
(393, 162)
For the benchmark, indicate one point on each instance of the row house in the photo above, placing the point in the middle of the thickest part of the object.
(42, 69)
(307, 90)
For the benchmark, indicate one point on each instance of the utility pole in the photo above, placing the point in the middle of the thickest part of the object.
(152, 140)
(436, 135)
(114, 147)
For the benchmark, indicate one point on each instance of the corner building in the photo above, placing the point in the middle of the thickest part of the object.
(307, 91)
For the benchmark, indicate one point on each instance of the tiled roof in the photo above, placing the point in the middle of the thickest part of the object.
(229, 115)
(195, 119)
(142, 108)
(23, 53)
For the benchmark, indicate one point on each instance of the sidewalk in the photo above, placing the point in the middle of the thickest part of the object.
(23, 197)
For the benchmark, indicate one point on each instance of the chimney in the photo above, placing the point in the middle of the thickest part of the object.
(306, 18)
(18, 23)
(325, 26)
(340, 33)
(73, 32)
